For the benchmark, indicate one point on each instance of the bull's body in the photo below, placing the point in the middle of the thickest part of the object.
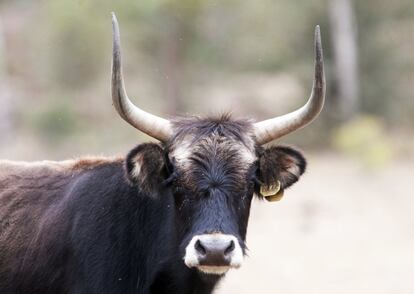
(81, 227)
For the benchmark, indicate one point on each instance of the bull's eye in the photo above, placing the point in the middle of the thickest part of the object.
(172, 172)
(168, 181)
(169, 163)
(252, 174)
(252, 186)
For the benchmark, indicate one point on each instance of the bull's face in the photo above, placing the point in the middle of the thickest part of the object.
(212, 168)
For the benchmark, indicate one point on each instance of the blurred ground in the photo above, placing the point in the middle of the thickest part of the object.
(341, 229)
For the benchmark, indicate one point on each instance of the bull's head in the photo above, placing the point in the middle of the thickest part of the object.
(213, 167)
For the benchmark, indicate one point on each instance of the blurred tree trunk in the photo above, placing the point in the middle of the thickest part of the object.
(5, 99)
(345, 55)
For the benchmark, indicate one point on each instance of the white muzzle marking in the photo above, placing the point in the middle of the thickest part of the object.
(228, 245)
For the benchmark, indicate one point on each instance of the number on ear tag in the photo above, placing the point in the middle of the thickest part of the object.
(272, 193)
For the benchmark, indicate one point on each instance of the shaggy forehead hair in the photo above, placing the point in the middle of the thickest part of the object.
(212, 152)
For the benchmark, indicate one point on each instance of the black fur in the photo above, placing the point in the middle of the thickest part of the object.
(149, 159)
(122, 227)
(103, 235)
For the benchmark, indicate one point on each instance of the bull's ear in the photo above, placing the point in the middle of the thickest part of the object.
(279, 168)
(145, 166)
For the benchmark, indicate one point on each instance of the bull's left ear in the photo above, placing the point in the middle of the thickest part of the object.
(145, 166)
(279, 168)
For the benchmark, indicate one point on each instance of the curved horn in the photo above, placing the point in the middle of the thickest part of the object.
(148, 123)
(277, 127)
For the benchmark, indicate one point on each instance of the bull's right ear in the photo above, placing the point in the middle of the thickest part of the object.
(145, 166)
(279, 168)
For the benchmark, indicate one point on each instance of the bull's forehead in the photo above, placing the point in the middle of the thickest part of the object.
(213, 150)
(188, 149)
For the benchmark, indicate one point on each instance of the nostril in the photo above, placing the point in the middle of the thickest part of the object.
(200, 248)
(229, 248)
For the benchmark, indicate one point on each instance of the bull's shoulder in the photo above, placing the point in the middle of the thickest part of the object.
(28, 189)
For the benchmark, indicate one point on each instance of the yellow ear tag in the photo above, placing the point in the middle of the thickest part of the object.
(272, 193)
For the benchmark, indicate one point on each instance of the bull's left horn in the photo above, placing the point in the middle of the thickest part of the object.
(152, 125)
(277, 127)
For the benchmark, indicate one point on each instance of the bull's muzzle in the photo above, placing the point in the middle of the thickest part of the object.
(213, 253)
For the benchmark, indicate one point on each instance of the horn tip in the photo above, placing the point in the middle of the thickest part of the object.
(317, 34)
(113, 16)
(318, 43)
(115, 28)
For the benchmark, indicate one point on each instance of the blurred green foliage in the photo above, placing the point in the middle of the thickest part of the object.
(55, 122)
(365, 139)
(76, 41)
(386, 63)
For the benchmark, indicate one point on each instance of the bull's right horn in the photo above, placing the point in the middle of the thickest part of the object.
(152, 125)
(271, 129)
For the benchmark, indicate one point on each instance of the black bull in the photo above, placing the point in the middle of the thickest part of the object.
(96, 226)
(167, 218)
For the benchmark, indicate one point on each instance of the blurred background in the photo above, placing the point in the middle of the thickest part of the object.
(348, 225)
